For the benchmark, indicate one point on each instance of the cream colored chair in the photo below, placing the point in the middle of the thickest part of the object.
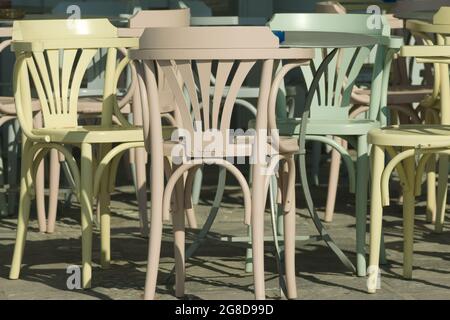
(410, 148)
(52, 58)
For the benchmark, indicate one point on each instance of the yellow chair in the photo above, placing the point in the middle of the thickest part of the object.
(405, 144)
(56, 54)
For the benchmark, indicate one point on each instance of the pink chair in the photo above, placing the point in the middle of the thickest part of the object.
(186, 56)
(137, 23)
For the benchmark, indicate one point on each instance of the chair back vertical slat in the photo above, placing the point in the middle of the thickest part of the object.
(358, 60)
(222, 74)
(171, 77)
(330, 82)
(46, 110)
(80, 69)
(238, 79)
(185, 69)
(204, 75)
(53, 62)
(45, 78)
(67, 67)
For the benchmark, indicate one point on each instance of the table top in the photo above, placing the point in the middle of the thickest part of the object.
(309, 39)
(417, 15)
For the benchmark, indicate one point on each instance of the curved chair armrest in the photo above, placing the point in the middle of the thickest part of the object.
(119, 104)
(4, 44)
(131, 90)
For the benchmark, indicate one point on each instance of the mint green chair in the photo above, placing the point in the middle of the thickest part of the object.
(331, 106)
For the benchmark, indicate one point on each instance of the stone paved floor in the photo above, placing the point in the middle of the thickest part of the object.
(217, 271)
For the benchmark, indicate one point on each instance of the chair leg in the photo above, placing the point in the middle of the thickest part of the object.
(196, 189)
(104, 199)
(289, 239)
(86, 213)
(13, 159)
(408, 219)
(315, 162)
(54, 190)
(141, 184)
(257, 224)
(105, 223)
(179, 238)
(442, 192)
(24, 213)
(431, 190)
(383, 259)
(39, 186)
(376, 218)
(156, 226)
(333, 182)
(362, 177)
(3, 203)
(190, 212)
(249, 253)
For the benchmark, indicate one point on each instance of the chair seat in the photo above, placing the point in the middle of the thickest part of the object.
(344, 127)
(92, 134)
(243, 93)
(396, 95)
(253, 92)
(93, 105)
(410, 135)
(86, 105)
(8, 106)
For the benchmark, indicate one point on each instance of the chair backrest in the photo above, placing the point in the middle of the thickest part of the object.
(191, 53)
(95, 74)
(430, 34)
(396, 28)
(159, 19)
(336, 85)
(56, 53)
(337, 7)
